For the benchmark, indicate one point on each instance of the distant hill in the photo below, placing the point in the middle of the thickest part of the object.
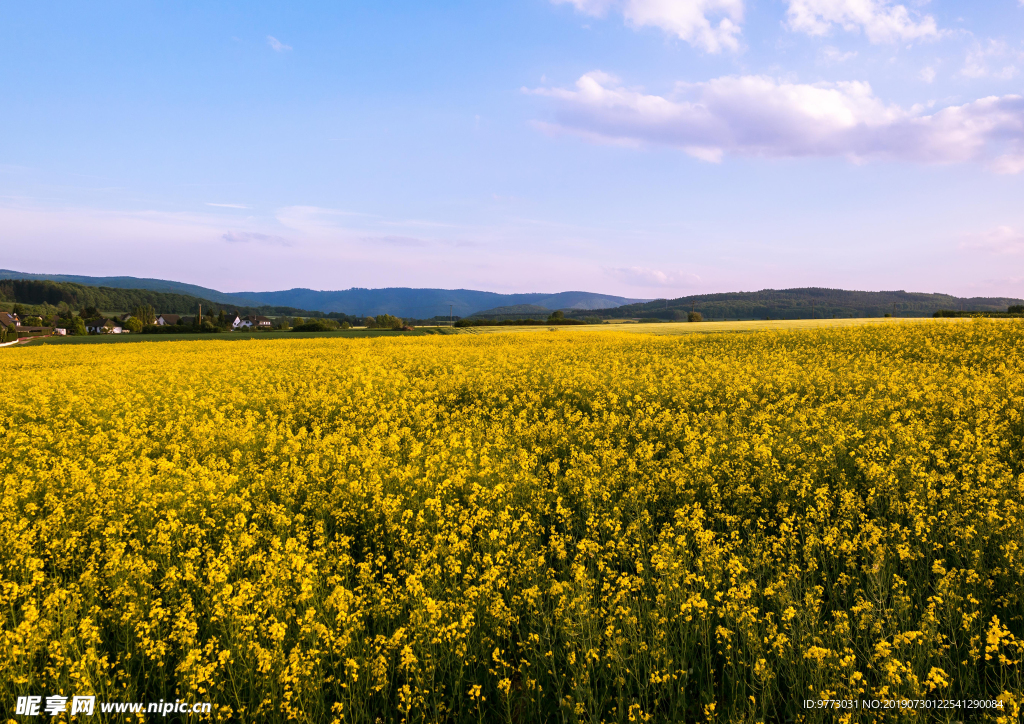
(805, 303)
(426, 303)
(400, 301)
(107, 299)
(514, 311)
(579, 300)
(155, 285)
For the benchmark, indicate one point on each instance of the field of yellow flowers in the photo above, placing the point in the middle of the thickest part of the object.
(546, 527)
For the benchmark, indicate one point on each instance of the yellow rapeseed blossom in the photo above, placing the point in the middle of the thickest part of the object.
(522, 528)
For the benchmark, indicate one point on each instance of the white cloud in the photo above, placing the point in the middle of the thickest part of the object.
(762, 116)
(249, 237)
(227, 206)
(1000, 240)
(879, 20)
(830, 54)
(313, 220)
(336, 249)
(981, 58)
(277, 44)
(927, 74)
(638, 276)
(691, 20)
(1009, 163)
(402, 241)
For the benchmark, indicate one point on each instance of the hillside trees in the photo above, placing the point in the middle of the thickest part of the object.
(805, 303)
(145, 314)
(384, 321)
(316, 325)
(34, 291)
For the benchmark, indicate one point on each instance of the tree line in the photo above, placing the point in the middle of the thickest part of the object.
(77, 296)
(61, 296)
(805, 303)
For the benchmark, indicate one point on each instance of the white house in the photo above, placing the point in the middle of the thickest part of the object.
(233, 320)
(166, 319)
(253, 321)
(259, 322)
(103, 326)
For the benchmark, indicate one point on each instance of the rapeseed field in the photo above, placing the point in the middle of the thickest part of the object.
(547, 527)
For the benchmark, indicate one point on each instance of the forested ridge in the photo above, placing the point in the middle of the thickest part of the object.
(108, 299)
(77, 296)
(803, 303)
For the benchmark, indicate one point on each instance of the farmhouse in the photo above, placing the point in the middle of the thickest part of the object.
(13, 323)
(33, 330)
(103, 326)
(253, 321)
(232, 319)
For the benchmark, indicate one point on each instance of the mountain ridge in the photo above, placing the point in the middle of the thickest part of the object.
(407, 302)
(127, 282)
(425, 303)
(514, 311)
(805, 302)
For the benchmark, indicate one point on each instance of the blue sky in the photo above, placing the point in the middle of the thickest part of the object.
(647, 148)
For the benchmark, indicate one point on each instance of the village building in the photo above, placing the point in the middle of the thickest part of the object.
(103, 326)
(38, 331)
(258, 322)
(166, 319)
(253, 321)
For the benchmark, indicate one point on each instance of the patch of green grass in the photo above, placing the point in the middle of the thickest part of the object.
(233, 336)
(674, 328)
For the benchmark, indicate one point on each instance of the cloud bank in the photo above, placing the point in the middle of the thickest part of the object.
(981, 58)
(765, 117)
(1000, 240)
(879, 20)
(637, 276)
(277, 44)
(691, 20)
(715, 25)
(251, 237)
